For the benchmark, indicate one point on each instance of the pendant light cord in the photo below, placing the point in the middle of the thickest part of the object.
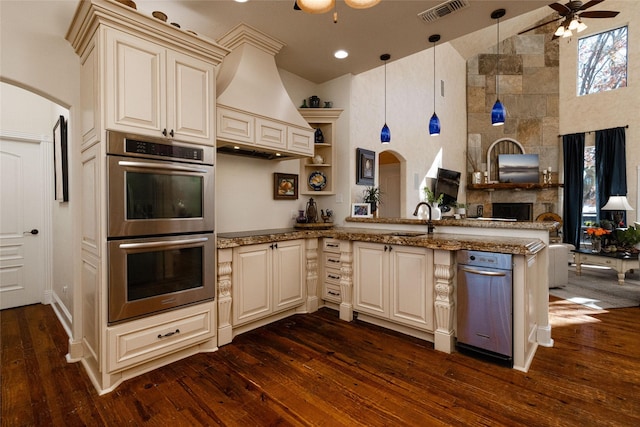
(434, 77)
(385, 91)
(498, 63)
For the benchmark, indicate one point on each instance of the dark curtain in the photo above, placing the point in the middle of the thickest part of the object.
(573, 149)
(611, 168)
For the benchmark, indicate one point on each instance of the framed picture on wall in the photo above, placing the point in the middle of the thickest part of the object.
(361, 210)
(365, 166)
(60, 159)
(285, 186)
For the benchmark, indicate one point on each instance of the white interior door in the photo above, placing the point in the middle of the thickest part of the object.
(21, 214)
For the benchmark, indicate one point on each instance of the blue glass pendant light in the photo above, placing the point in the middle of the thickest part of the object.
(434, 122)
(498, 112)
(385, 133)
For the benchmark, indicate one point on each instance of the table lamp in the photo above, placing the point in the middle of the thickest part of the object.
(618, 204)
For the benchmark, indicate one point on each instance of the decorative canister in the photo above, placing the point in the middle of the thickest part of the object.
(314, 102)
(312, 211)
(476, 178)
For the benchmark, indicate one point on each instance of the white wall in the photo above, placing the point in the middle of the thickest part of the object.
(604, 110)
(34, 56)
(409, 108)
(25, 113)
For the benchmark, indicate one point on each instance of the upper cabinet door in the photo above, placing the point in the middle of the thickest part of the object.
(190, 98)
(135, 84)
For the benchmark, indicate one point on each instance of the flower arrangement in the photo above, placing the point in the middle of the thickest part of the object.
(596, 233)
(431, 197)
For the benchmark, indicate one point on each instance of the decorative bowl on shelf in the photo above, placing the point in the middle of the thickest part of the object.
(129, 3)
(160, 15)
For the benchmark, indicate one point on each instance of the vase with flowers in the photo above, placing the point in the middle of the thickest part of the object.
(596, 234)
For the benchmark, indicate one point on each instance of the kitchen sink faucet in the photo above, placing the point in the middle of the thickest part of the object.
(430, 226)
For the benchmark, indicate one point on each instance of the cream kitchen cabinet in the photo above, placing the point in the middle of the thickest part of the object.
(156, 91)
(394, 283)
(331, 270)
(267, 278)
(325, 154)
(245, 130)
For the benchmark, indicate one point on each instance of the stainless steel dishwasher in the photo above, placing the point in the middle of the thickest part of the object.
(485, 305)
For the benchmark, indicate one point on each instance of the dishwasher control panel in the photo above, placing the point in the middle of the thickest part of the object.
(485, 259)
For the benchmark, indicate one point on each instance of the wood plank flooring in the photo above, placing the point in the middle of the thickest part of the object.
(315, 370)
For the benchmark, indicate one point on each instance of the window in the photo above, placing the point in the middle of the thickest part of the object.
(589, 189)
(602, 61)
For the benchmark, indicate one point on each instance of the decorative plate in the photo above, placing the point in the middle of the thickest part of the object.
(317, 180)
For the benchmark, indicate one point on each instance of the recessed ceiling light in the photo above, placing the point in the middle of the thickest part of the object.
(241, 1)
(341, 54)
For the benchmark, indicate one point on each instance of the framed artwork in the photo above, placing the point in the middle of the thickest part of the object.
(365, 166)
(361, 210)
(60, 159)
(518, 168)
(285, 186)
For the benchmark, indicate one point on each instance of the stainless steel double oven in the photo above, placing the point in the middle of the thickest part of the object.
(160, 225)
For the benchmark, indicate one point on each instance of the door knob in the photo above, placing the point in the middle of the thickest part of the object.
(34, 232)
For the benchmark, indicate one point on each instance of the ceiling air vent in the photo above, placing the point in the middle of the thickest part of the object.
(443, 10)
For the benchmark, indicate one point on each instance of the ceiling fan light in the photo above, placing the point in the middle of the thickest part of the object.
(560, 31)
(361, 4)
(434, 125)
(574, 24)
(497, 114)
(316, 6)
(582, 26)
(567, 33)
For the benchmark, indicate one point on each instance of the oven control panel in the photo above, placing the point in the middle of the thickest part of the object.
(163, 150)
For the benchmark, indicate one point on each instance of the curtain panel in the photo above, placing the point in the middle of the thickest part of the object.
(611, 168)
(573, 149)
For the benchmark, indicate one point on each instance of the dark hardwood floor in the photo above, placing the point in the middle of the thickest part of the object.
(317, 370)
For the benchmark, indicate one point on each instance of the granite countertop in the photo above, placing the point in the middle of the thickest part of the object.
(469, 222)
(444, 241)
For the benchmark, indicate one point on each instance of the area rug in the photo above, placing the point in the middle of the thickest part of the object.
(598, 288)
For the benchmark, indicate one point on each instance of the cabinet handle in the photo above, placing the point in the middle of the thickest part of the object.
(171, 133)
(337, 261)
(274, 246)
(164, 131)
(335, 294)
(331, 276)
(332, 245)
(168, 334)
(385, 248)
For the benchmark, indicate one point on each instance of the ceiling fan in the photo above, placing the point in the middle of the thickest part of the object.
(571, 15)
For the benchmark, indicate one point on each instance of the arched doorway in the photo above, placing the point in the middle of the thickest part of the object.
(392, 183)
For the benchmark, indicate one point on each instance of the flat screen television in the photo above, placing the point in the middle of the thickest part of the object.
(447, 183)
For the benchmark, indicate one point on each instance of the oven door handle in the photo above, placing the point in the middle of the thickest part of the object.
(161, 166)
(163, 244)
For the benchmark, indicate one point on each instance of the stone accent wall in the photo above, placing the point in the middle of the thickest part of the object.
(529, 89)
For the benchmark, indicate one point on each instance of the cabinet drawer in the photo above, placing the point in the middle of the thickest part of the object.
(331, 260)
(332, 275)
(142, 340)
(332, 292)
(235, 126)
(331, 245)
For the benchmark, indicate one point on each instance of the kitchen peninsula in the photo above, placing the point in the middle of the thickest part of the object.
(434, 255)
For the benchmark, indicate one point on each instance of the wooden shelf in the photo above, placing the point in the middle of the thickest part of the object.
(512, 186)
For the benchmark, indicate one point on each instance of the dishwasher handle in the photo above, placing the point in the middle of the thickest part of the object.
(483, 273)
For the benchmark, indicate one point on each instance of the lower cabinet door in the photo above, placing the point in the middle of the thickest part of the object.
(288, 274)
(252, 284)
(411, 286)
(371, 278)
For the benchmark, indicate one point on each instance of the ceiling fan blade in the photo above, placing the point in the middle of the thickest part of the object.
(599, 14)
(589, 4)
(537, 26)
(560, 8)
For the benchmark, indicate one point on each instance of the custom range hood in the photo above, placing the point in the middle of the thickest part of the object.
(255, 115)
